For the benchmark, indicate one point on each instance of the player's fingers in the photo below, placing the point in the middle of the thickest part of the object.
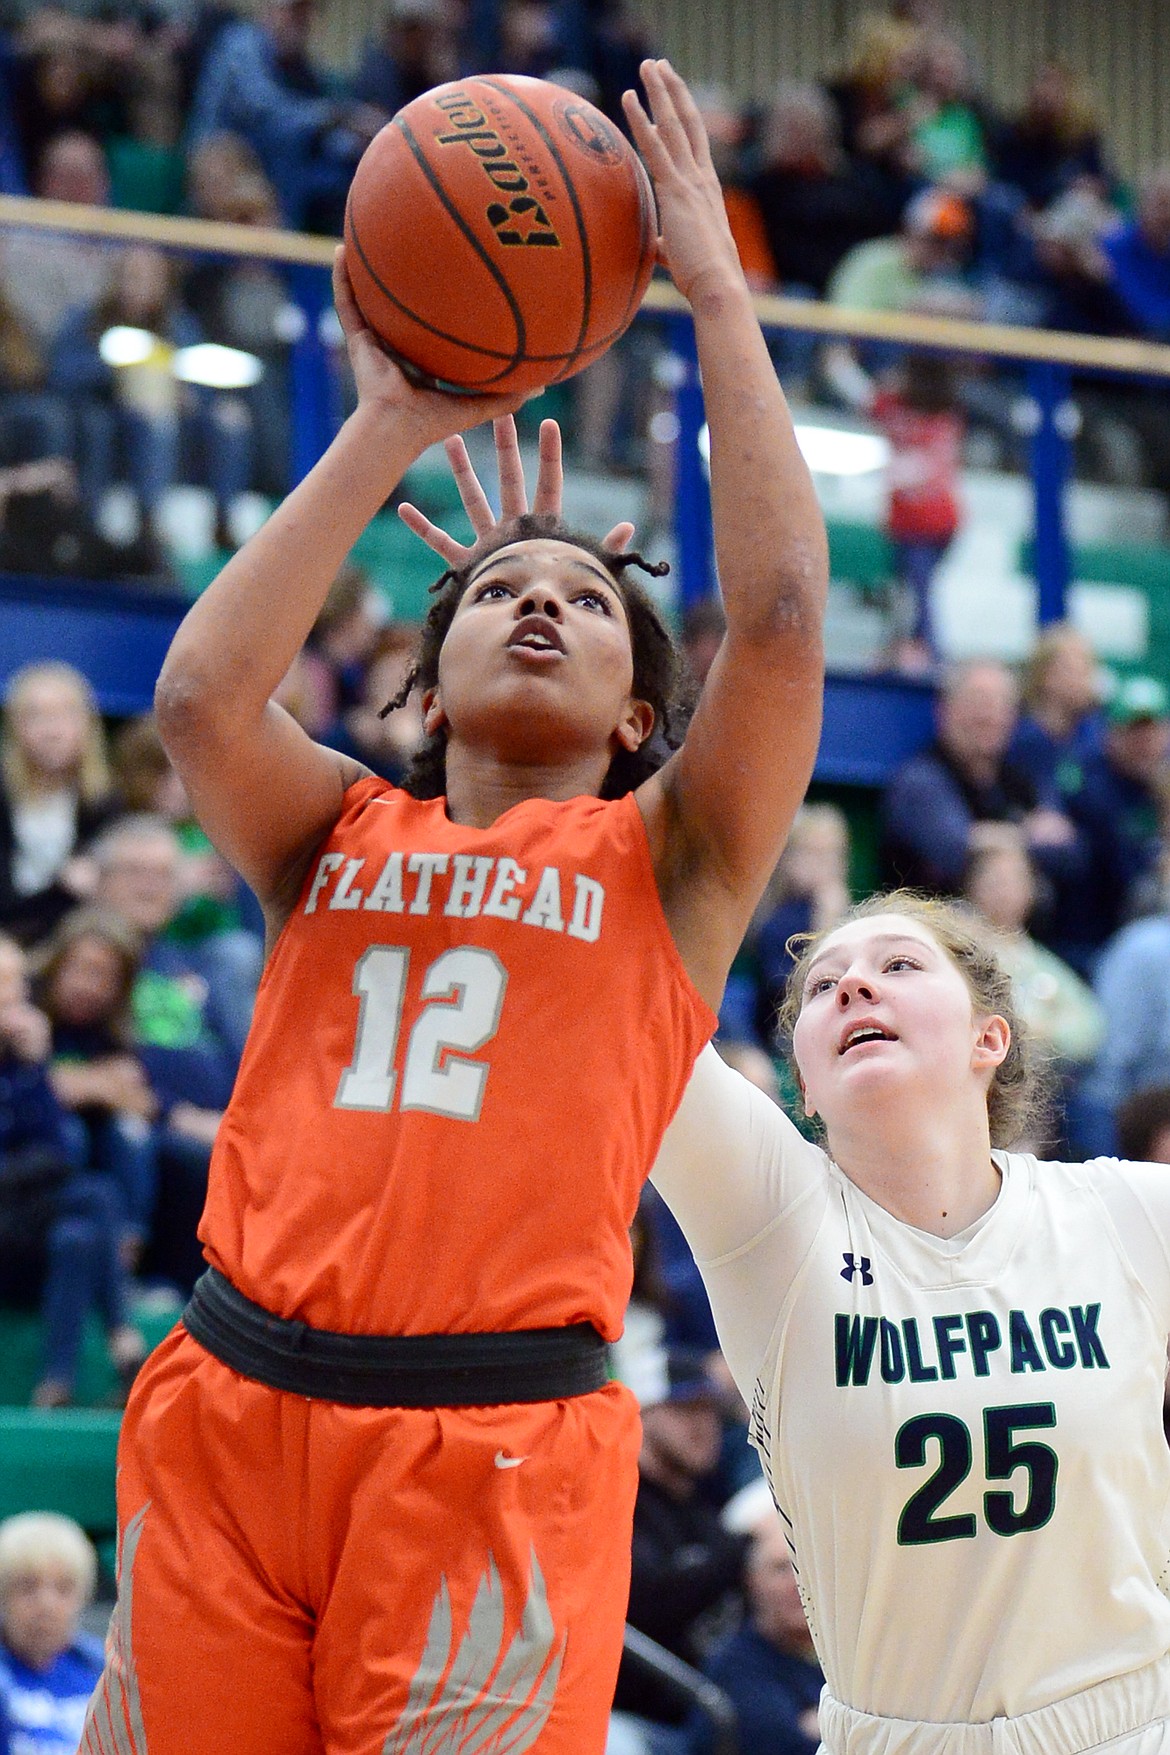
(663, 109)
(348, 315)
(646, 139)
(475, 502)
(550, 480)
(619, 538)
(688, 113)
(454, 553)
(510, 468)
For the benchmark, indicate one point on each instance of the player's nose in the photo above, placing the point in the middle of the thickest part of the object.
(852, 987)
(539, 600)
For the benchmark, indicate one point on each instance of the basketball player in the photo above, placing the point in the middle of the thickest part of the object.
(954, 1356)
(375, 1492)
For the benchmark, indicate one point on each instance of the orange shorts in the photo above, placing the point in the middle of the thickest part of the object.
(301, 1578)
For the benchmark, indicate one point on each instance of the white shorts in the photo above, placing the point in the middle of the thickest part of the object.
(1126, 1715)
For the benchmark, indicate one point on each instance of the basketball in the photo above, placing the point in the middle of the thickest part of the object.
(499, 234)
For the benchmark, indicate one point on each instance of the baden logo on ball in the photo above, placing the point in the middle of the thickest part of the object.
(500, 233)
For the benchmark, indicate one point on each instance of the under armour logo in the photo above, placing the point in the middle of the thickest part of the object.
(856, 1265)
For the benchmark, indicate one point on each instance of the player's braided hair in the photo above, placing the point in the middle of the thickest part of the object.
(660, 674)
(1017, 1097)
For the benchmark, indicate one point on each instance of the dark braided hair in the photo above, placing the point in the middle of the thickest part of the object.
(660, 675)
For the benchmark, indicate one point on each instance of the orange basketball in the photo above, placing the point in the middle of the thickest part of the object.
(499, 234)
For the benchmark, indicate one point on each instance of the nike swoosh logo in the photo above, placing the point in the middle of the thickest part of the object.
(509, 1462)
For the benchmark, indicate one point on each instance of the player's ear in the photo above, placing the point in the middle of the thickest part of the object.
(992, 1041)
(806, 1104)
(635, 724)
(434, 718)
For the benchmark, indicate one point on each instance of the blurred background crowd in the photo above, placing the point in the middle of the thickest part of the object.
(129, 953)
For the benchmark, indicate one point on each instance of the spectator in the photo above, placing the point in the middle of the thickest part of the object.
(687, 1571)
(1053, 142)
(86, 977)
(413, 51)
(871, 94)
(245, 302)
(258, 81)
(920, 413)
(383, 741)
(344, 636)
(1073, 275)
(816, 205)
(808, 892)
(59, 1225)
(1143, 1126)
(48, 273)
(703, 627)
(1133, 986)
(55, 796)
(1060, 720)
(209, 926)
(907, 271)
(177, 1035)
(768, 1668)
(136, 413)
(1139, 256)
(65, 83)
(1115, 796)
(948, 132)
(965, 777)
(48, 1665)
(33, 422)
(1058, 1007)
(727, 132)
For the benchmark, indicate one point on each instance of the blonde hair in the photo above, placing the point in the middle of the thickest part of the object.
(1050, 641)
(1015, 1096)
(34, 1538)
(93, 773)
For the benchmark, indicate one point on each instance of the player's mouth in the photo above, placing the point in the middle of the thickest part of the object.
(538, 636)
(862, 1031)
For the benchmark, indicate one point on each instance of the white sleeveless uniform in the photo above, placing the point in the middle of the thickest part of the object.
(963, 1437)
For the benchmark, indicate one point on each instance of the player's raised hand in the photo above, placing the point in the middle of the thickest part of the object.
(435, 414)
(696, 241)
(548, 499)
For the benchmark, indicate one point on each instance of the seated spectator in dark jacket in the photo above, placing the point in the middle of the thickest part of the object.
(815, 204)
(413, 50)
(258, 81)
(687, 1570)
(768, 1668)
(176, 1036)
(874, 100)
(1060, 709)
(1053, 140)
(1115, 796)
(59, 1225)
(1139, 254)
(86, 977)
(965, 777)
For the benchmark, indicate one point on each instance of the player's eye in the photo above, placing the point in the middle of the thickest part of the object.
(596, 601)
(819, 984)
(492, 588)
(901, 961)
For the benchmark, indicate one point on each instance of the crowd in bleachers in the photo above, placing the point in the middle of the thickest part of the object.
(895, 183)
(129, 954)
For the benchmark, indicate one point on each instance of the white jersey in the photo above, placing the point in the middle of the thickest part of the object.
(963, 1437)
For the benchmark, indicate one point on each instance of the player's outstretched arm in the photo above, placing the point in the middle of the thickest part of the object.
(719, 812)
(263, 790)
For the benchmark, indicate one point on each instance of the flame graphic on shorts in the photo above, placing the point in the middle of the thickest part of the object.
(113, 1724)
(492, 1698)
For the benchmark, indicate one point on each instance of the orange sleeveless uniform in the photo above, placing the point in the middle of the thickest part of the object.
(466, 1047)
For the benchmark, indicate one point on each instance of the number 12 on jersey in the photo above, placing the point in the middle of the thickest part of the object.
(465, 990)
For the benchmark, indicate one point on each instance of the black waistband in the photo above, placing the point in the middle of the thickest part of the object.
(393, 1371)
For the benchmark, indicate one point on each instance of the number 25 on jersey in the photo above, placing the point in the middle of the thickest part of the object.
(464, 989)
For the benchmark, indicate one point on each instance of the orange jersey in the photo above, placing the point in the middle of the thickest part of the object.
(466, 1047)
